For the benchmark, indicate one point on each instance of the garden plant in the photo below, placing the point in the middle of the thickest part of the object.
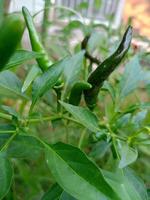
(74, 120)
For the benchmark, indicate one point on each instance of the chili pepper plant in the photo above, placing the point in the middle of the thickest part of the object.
(73, 126)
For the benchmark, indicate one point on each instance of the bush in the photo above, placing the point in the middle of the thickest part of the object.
(86, 126)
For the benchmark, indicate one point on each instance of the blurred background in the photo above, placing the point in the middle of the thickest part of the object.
(110, 12)
(137, 10)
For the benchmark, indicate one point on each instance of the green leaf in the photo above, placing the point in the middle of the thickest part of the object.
(139, 118)
(46, 81)
(131, 78)
(128, 155)
(83, 115)
(10, 85)
(76, 174)
(21, 56)
(126, 184)
(6, 128)
(57, 193)
(94, 41)
(30, 77)
(6, 174)
(66, 196)
(22, 146)
(73, 68)
(99, 149)
(54, 193)
(108, 87)
(9, 110)
(137, 183)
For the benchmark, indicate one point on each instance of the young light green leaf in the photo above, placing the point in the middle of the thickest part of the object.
(83, 115)
(30, 77)
(126, 184)
(10, 85)
(128, 155)
(6, 174)
(54, 193)
(76, 174)
(131, 78)
(46, 81)
(20, 57)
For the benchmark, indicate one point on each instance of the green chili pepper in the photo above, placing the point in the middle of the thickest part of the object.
(37, 46)
(102, 72)
(76, 92)
(11, 31)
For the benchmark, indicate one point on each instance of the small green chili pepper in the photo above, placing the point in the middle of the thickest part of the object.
(11, 31)
(102, 72)
(37, 46)
(76, 92)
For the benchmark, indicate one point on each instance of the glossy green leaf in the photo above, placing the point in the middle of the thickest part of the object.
(6, 174)
(126, 184)
(30, 77)
(54, 193)
(83, 115)
(130, 81)
(76, 174)
(128, 155)
(20, 57)
(10, 85)
(22, 146)
(46, 81)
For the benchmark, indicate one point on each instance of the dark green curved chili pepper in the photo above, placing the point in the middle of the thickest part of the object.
(11, 31)
(76, 92)
(37, 46)
(102, 72)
